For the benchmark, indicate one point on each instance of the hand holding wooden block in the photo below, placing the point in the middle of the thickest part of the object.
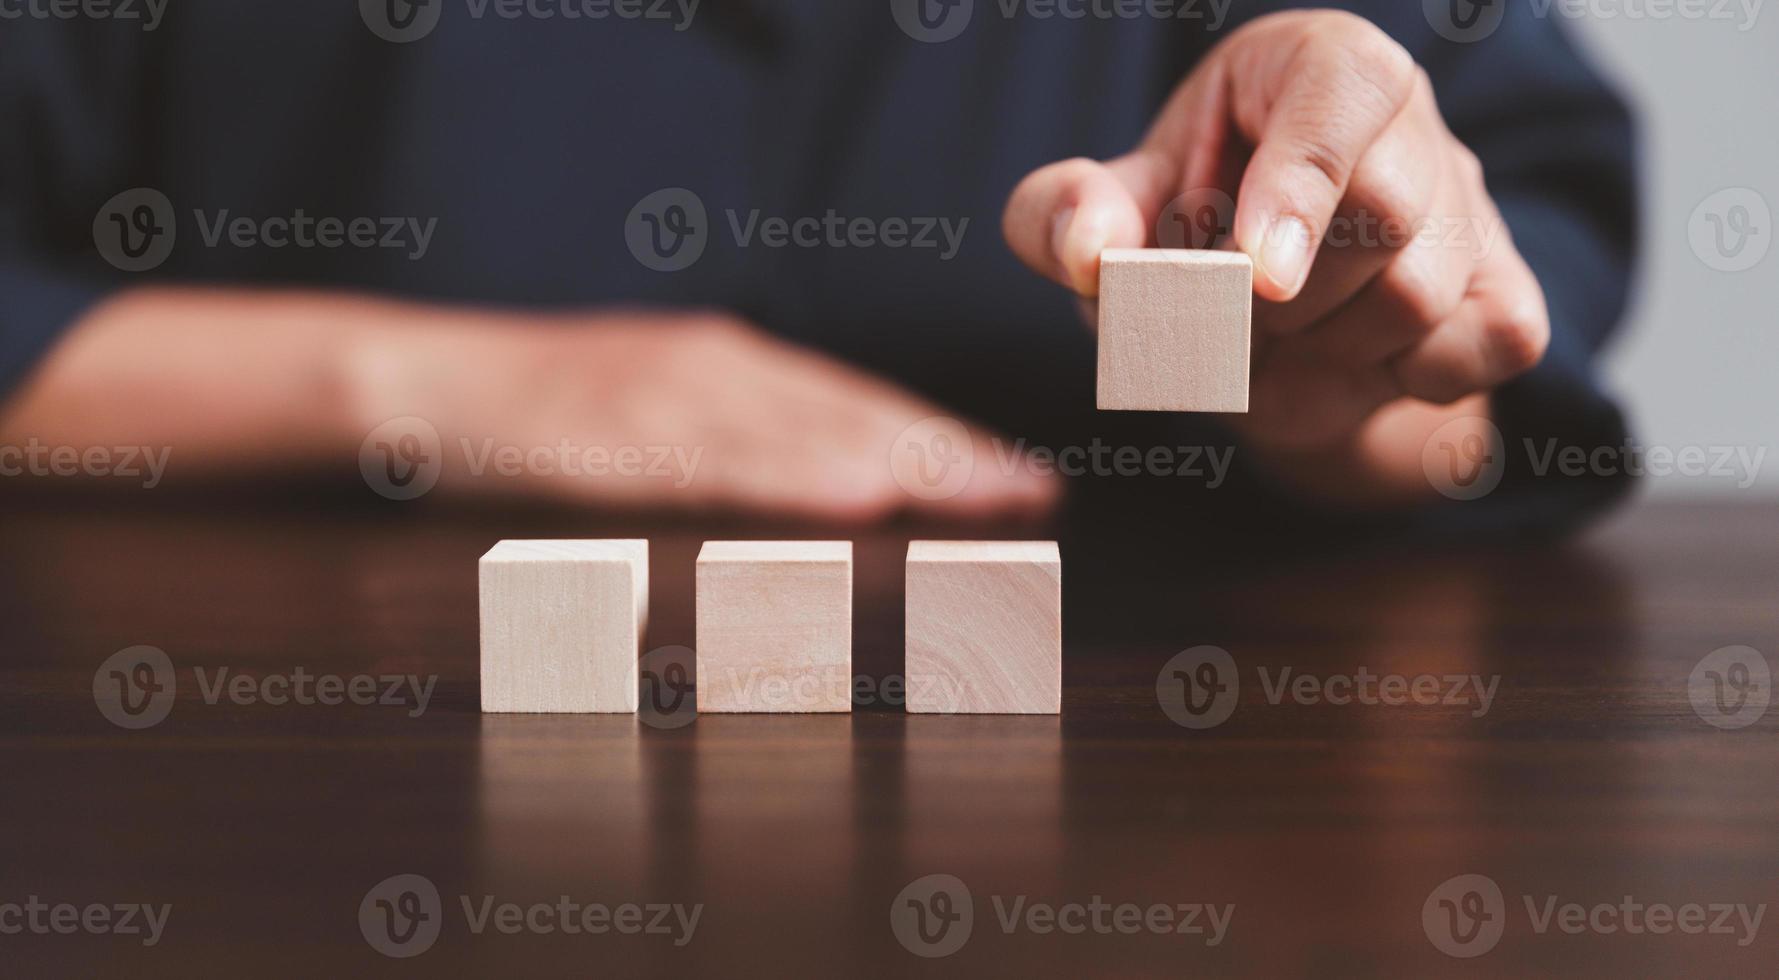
(1174, 330)
(984, 627)
(775, 626)
(562, 625)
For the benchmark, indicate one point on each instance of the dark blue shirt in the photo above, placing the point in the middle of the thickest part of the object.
(500, 159)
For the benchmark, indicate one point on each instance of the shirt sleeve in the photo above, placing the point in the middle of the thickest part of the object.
(1558, 152)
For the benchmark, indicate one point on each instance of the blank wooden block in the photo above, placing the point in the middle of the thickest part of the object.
(775, 626)
(984, 624)
(1174, 330)
(562, 625)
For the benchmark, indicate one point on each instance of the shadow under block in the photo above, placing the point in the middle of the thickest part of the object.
(1174, 330)
(775, 626)
(562, 625)
(984, 627)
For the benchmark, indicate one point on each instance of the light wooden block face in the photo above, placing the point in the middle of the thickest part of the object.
(984, 624)
(1174, 330)
(562, 625)
(775, 626)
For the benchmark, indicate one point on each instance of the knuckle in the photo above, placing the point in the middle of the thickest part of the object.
(1379, 59)
(1519, 337)
(1325, 165)
(1418, 285)
(1368, 56)
(1469, 164)
(1382, 186)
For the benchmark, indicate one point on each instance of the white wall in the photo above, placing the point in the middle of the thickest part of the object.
(1699, 363)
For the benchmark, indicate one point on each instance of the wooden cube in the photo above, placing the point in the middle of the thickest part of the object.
(984, 627)
(1174, 330)
(775, 626)
(562, 625)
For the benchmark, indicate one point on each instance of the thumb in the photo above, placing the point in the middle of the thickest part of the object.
(1062, 216)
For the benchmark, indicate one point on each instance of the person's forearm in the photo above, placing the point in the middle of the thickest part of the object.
(228, 380)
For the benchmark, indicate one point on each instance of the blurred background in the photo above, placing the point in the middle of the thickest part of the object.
(1698, 362)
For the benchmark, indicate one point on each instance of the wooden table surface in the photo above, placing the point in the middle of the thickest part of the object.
(1318, 832)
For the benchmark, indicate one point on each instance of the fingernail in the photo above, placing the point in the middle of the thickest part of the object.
(1284, 255)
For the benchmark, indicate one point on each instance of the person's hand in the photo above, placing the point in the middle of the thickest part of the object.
(1385, 281)
(609, 409)
(714, 414)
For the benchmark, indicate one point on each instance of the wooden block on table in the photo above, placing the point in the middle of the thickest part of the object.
(1174, 330)
(984, 627)
(562, 625)
(775, 626)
